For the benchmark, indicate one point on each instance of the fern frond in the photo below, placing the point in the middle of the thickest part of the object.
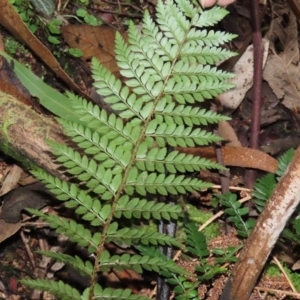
(100, 146)
(187, 114)
(236, 213)
(89, 171)
(199, 73)
(116, 95)
(188, 8)
(138, 262)
(97, 119)
(227, 255)
(179, 135)
(142, 208)
(76, 232)
(165, 66)
(262, 190)
(142, 235)
(109, 293)
(210, 38)
(208, 55)
(182, 286)
(60, 289)
(209, 17)
(84, 267)
(157, 255)
(264, 187)
(157, 160)
(162, 184)
(283, 162)
(89, 208)
(190, 92)
(195, 241)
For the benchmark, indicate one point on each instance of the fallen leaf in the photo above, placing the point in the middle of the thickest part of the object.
(11, 179)
(282, 69)
(237, 157)
(31, 196)
(8, 229)
(93, 41)
(226, 131)
(243, 80)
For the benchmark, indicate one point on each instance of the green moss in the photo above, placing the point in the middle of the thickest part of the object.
(200, 217)
(272, 271)
(12, 46)
(294, 277)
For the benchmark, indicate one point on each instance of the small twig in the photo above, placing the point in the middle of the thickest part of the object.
(27, 248)
(234, 188)
(279, 265)
(220, 213)
(264, 289)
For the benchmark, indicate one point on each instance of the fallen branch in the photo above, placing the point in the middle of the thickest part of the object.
(265, 234)
(24, 132)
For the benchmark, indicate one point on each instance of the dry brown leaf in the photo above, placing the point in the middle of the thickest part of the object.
(7, 230)
(226, 131)
(282, 69)
(93, 41)
(11, 179)
(237, 157)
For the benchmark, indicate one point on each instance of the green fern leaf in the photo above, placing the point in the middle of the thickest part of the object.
(283, 162)
(158, 160)
(262, 190)
(209, 17)
(189, 115)
(109, 293)
(236, 213)
(85, 268)
(153, 183)
(264, 187)
(137, 263)
(182, 287)
(195, 241)
(144, 236)
(138, 208)
(76, 232)
(62, 290)
(155, 253)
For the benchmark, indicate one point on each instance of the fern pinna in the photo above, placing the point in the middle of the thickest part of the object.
(168, 67)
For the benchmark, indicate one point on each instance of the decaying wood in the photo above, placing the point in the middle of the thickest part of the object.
(263, 237)
(23, 134)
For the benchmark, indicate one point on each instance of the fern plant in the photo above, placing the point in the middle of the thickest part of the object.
(196, 249)
(122, 161)
(262, 191)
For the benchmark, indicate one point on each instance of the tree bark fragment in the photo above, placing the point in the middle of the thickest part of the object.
(23, 135)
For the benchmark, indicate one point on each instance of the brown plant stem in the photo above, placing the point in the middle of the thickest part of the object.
(257, 82)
